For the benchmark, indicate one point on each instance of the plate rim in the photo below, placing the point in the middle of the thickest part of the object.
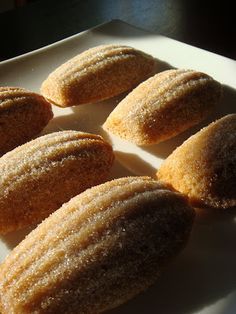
(112, 21)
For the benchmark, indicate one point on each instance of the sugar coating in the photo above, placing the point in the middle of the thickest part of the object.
(96, 74)
(39, 176)
(98, 250)
(163, 106)
(204, 166)
(23, 115)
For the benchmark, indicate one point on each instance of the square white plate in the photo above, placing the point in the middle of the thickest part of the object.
(203, 278)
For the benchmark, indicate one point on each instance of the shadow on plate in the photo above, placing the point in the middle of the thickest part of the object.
(228, 102)
(119, 170)
(134, 164)
(161, 66)
(86, 118)
(12, 239)
(203, 274)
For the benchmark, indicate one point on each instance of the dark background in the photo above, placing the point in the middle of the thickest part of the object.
(206, 24)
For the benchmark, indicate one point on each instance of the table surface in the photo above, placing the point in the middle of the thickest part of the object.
(205, 24)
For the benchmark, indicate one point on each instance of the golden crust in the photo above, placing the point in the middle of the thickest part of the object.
(163, 106)
(204, 166)
(39, 176)
(96, 74)
(97, 251)
(23, 115)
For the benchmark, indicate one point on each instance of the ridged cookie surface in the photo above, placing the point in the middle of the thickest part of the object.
(97, 251)
(39, 176)
(23, 115)
(204, 166)
(164, 106)
(96, 74)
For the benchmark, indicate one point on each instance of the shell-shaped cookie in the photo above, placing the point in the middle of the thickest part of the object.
(39, 176)
(98, 250)
(204, 166)
(96, 74)
(163, 106)
(23, 115)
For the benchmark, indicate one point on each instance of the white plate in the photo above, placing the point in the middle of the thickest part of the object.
(203, 278)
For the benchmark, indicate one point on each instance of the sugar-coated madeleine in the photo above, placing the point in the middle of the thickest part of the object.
(23, 115)
(39, 176)
(163, 106)
(98, 250)
(96, 74)
(204, 166)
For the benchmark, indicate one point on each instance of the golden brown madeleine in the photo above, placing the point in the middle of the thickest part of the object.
(39, 176)
(204, 166)
(164, 106)
(97, 251)
(23, 115)
(96, 74)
